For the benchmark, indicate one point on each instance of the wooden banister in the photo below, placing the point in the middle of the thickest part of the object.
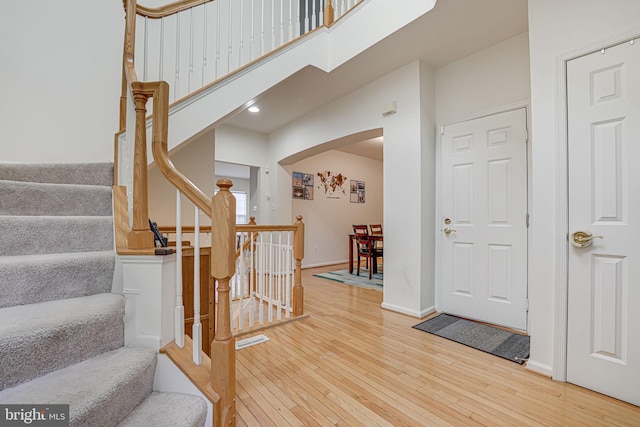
(223, 347)
(328, 14)
(169, 9)
(298, 254)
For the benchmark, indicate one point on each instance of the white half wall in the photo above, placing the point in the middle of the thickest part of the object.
(60, 79)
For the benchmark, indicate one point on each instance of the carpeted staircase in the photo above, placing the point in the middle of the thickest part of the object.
(61, 328)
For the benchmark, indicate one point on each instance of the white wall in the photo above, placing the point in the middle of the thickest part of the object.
(60, 80)
(408, 193)
(481, 82)
(558, 30)
(328, 221)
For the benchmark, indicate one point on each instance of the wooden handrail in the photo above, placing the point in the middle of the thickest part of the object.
(168, 9)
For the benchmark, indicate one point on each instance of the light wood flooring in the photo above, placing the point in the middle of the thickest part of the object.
(352, 363)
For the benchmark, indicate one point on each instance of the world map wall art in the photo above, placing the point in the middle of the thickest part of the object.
(334, 184)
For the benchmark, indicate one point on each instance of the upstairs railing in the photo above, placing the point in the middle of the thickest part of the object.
(193, 44)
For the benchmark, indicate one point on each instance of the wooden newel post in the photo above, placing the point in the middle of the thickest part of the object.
(223, 347)
(298, 254)
(328, 14)
(140, 236)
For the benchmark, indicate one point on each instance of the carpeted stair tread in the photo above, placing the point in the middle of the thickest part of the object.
(59, 173)
(101, 391)
(168, 410)
(30, 279)
(36, 339)
(28, 198)
(25, 235)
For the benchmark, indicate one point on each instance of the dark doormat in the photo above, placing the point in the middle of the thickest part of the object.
(496, 341)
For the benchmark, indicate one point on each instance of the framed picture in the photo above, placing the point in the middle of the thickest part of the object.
(297, 179)
(302, 186)
(356, 191)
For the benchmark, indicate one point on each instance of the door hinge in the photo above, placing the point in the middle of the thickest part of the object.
(441, 130)
(526, 304)
(527, 219)
(526, 136)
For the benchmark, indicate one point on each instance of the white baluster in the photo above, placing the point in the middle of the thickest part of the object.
(251, 279)
(205, 39)
(241, 44)
(261, 277)
(216, 75)
(191, 37)
(262, 29)
(196, 330)
(161, 56)
(230, 39)
(281, 41)
(177, 65)
(179, 311)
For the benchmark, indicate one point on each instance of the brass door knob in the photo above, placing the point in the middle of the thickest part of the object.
(583, 239)
(448, 231)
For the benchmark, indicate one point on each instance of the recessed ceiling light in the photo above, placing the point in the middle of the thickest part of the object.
(254, 109)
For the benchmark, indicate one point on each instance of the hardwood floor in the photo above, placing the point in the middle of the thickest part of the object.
(352, 363)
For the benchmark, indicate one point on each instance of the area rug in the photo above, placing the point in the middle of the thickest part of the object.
(362, 281)
(496, 341)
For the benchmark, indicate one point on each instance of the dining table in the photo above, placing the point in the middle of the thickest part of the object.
(352, 238)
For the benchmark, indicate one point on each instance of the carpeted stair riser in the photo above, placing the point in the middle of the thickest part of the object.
(83, 174)
(25, 235)
(168, 410)
(30, 279)
(37, 339)
(100, 391)
(27, 198)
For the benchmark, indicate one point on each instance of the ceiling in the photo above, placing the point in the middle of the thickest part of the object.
(452, 30)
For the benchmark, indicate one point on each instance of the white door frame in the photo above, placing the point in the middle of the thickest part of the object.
(559, 371)
(526, 104)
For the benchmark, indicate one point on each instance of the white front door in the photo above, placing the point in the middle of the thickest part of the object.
(484, 219)
(603, 331)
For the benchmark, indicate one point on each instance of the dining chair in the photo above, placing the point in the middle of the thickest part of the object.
(376, 229)
(366, 249)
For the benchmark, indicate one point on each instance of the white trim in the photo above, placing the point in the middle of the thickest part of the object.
(559, 370)
(538, 368)
(413, 313)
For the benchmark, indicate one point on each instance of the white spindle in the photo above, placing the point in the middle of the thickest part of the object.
(290, 35)
(241, 43)
(281, 22)
(161, 56)
(230, 39)
(279, 272)
(177, 64)
(179, 311)
(217, 3)
(313, 14)
(205, 39)
(271, 278)
(261, 278)
(251, 281)
(196, 330)
(252, 39)
(290, 264)
(273, 24)
(191, 38)
(262, 18)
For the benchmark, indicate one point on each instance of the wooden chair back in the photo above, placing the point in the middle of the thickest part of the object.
(376, 229)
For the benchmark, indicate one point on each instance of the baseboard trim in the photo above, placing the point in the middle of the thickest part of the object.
(539, 368)
(403, 310)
